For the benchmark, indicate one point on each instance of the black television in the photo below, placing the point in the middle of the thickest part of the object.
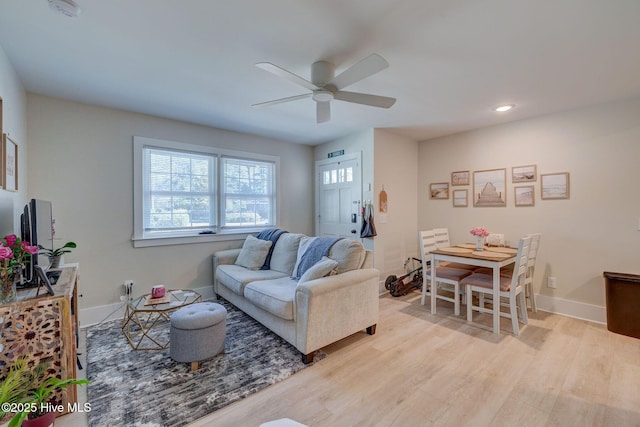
(36, 228)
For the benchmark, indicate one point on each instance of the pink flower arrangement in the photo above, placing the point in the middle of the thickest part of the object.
(13, 254)
(479, 231)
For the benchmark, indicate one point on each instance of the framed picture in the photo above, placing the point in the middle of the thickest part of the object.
(439, 190)
(555, 185)
(489, 188)
(460, 178)
(9, 163)
(524, 195)
(524, 173)
(460, 198)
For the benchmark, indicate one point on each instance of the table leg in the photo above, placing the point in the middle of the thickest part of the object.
(496, 300)
(433, 284)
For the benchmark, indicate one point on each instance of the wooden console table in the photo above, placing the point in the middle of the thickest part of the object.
(44, 327)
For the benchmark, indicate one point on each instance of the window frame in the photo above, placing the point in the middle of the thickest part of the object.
(142, 239)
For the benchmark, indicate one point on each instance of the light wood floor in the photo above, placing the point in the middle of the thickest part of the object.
(436, 370)
(421, 369)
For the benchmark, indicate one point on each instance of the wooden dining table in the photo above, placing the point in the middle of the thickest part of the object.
(490, 257)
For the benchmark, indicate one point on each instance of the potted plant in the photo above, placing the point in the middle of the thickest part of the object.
(55, 255)
(28, 395)
(13, 255)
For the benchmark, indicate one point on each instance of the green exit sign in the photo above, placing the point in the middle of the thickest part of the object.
(336, 154)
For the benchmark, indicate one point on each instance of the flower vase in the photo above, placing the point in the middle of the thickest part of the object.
(8, 291)
(480, 243)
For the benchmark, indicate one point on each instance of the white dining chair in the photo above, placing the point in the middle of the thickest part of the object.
(443, 241)
(531, 266)
(511, 288)
(442, 237)
(446, 277)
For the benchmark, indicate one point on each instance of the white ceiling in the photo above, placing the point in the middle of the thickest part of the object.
(451, 61)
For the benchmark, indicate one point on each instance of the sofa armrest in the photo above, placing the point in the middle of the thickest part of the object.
(225, 257)
(222, 258)
(334, 307)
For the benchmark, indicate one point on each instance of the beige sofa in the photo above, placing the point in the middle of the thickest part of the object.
(310, 312)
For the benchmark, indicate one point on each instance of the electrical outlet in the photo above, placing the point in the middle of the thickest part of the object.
(128, 287)
(552, 282)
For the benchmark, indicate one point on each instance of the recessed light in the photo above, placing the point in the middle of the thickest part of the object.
(503, 108)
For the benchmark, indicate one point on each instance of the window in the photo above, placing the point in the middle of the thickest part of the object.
(247, 193)
(189, 193)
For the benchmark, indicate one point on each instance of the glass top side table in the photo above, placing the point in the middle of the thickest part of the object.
(144, 318)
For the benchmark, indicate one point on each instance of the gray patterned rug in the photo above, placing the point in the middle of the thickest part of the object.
(147, 388)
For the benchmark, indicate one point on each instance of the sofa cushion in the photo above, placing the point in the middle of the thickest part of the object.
(349, 253)
(254, 252)
(285, 253)
(311, 250)
(275, 296)
(236, 277)
(322, 268)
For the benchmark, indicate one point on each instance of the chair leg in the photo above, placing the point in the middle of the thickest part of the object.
(532, 297)
(523, 308)
(514, 316)
(424, 289)
(456, 299)
(469, 304)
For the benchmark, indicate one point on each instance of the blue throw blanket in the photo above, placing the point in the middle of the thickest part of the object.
(272, 234)
(318, 248)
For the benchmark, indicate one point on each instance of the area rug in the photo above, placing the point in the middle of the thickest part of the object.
(147, 388)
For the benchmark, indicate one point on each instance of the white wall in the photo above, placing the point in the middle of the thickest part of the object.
(14, 123)
(396, 169)
(595, 230)
(81, 159)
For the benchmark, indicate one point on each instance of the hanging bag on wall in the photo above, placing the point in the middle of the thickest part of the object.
(368, 227)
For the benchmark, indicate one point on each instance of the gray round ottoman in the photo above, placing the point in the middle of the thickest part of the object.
(197, 333)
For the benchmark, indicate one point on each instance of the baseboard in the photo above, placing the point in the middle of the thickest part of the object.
(104, 313)
(578, 310)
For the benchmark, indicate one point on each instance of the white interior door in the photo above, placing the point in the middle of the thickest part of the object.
(338, 196)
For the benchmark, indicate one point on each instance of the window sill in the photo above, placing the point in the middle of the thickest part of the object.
(145, 242)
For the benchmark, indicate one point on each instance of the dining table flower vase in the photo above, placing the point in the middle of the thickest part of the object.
(480, 233)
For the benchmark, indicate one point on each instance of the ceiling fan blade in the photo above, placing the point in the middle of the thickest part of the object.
(281, 72)
(281, 100)
(323, 112)
(361, 70)
(365, 98)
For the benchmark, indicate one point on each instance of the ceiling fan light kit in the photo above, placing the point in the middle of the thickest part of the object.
(325, 86)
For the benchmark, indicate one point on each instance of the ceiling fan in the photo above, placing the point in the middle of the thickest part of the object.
(325, 86)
